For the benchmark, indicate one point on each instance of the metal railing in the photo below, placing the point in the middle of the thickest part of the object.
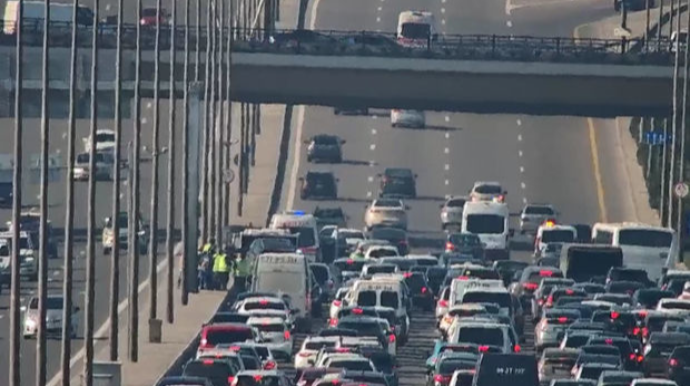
(363, 43)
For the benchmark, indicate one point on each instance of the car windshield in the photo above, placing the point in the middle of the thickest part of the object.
(105, 137)
(465, 239)
(264, 305)
(502, 299)
(676, 305)
(485, 223)
(388, 234)
(539, 210)
(270, 327)
(558, 236)
(481, 336)
(320, 273)
(258, 380)
(285, 282)
(318, 345)
(306, 238)
(217, 336)
(387, 204)
(448, 366)
(208, 368)
(325, 140)
(389, 299)
(645, 238)
(52, 303)
(415, 30)
(456, 203)
(488, 189)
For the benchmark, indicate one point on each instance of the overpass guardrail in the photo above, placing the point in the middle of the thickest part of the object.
(365, 43)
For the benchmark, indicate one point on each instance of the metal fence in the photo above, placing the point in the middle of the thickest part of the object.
(359, 43)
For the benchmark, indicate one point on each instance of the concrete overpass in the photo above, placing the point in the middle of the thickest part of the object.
(470, 74)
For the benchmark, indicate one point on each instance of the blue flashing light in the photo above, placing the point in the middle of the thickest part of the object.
(298, 212)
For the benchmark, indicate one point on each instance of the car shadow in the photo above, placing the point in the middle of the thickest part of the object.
(354, 200)
(442, 128)
(358, 162)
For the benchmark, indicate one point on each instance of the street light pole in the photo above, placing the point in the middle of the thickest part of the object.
(684, 117)
(170, 226)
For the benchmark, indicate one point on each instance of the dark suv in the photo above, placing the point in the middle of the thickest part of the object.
(398, 183)
(325, 148)
(320, 185)
(467, 243)
(679, 365)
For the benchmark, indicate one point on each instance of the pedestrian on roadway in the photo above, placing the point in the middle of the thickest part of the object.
(221, 271)
(242, 272)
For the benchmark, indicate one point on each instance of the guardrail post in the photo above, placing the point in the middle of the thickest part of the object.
(493, 45)
(624, 43)
(558, 46)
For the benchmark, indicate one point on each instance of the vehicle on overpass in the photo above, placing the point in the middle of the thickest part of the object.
(414, 119)
(416, 28)
(33, 15)
(105, 140)
(644, 246)
(108, 235)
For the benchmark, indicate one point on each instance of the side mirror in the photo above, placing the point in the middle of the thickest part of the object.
(337, 180)
(306, 142)
(407, 207)
(342, 141)
(378, 174)
(505, 192)
(415, 176)
(294, 311)
(77, 309)
(301, 178)
(511, 232)
(441, 206)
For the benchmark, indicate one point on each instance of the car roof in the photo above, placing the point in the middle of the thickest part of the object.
(398, 172)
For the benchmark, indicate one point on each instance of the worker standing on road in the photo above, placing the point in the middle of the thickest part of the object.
(357, 254)
(221, 272)
(242, 272)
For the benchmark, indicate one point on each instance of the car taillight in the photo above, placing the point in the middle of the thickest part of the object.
(287, 335)
(615, 314)
(640, 358)
(530, 286)
(549, 300)
(270, 365)
(636, 331)
(517, 348)
(304, 354)
(450, 246)
(541, 302)
(424, 290)
(440, 378)
(337, 303)
(357, 311)
(632, 356)
(645, 331)
(483, 348)
(391, 338)
(562, 319)
(231, 379)
(203, 343)
(332, 322)
(463, 278)
(331, 284)
(673, 362)
(443, 303)
(545, 273)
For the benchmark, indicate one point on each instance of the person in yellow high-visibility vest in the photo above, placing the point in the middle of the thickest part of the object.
(242, 273)
(221, 271)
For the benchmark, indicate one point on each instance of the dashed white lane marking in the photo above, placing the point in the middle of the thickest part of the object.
(374, 117)
(509, 23)
(372, 164)
(524, 200)
(32, 292)
(522, 169)
(380, 9)
(149, 105)
(520, 137)
(378, 19)
(447, 135)
(372, 147)
(446, 182)
(522, 185)
(2, 316)
(369, 194)
(443, 10)
(520, 153)
(56, 273)
(446, 150)
(447, 120)
(373, 131)
(370, 179)
(519, 122)
(446, 167)
(443, 21)
(144, 120)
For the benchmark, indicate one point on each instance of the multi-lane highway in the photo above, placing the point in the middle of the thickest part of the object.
(56, 198)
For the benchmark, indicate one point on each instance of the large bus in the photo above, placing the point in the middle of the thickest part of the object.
(644, 246)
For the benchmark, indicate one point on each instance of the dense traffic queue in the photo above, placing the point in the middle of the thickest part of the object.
(333, 305)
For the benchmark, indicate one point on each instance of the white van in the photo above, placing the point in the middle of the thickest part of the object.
(644, 246)
(416, 28)
(303, 224)
(497, 295)
(489, 221)
(552, 233)
(286, 273)
(382, 291)
(460, 285)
